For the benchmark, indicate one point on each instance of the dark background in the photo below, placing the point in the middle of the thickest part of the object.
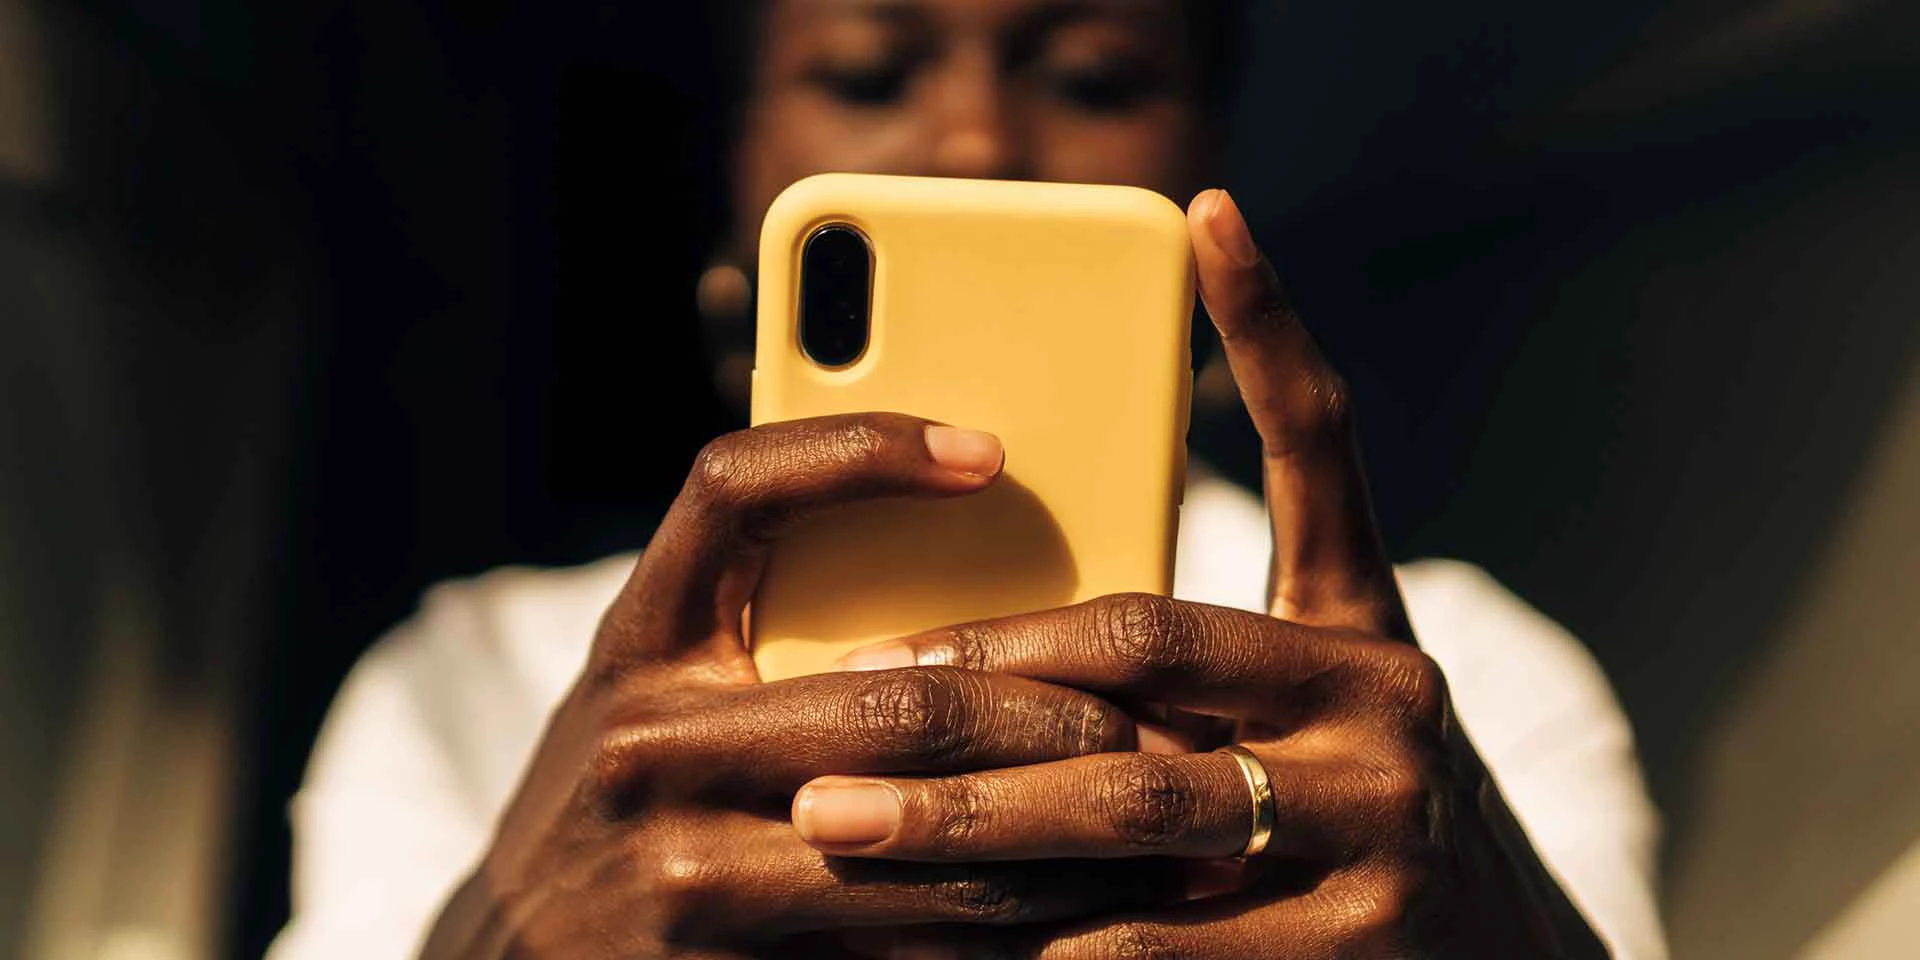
(1623, 290)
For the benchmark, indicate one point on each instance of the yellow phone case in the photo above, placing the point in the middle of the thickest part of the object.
(1055, 316)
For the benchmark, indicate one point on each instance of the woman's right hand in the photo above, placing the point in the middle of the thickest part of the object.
(653, 819)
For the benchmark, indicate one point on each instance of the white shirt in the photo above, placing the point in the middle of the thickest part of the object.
(428, 737)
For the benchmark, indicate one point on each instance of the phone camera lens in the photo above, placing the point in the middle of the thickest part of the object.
(836, 295)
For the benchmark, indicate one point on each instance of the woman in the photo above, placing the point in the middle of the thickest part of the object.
(675, 807)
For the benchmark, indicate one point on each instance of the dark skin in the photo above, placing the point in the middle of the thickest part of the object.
(976, 790)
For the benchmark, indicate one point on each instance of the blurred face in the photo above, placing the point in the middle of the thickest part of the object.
(1094, 91)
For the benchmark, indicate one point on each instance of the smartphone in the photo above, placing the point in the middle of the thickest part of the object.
(1056, 316)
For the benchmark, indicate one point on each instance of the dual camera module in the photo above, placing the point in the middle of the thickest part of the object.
(836, 295)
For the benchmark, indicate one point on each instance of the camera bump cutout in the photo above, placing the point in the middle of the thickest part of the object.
(836, 295)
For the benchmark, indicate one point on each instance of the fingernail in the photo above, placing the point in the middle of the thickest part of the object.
(1229, 230)
(892, 655)
(1207, 204)
(971, 452)
(845, 812)
(1158, 739)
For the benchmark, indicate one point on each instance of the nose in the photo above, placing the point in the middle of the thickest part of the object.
(976, 133)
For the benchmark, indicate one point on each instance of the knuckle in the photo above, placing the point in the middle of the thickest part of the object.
(983, 896)
(734, 483)
(685, 887)
(617, 769)
(965, 647)
(1138, 632)
(1135, 941)
(1089, 726)
(1416, 683)
(916, 714)
(752, 481)
(1319, 411)
(722, 469)
(1333, 402)
(1149, 801)
(1403, 796)
(856, 442)
(962, 818)
(729, 485)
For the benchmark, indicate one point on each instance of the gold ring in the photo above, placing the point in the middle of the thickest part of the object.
(1261, 786)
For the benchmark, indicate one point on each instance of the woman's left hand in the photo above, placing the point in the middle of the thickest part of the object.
(1389, 837)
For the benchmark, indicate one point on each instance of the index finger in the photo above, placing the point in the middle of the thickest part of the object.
(1329, 567)
(762, 740)
(692, 583)
(1206, 659)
